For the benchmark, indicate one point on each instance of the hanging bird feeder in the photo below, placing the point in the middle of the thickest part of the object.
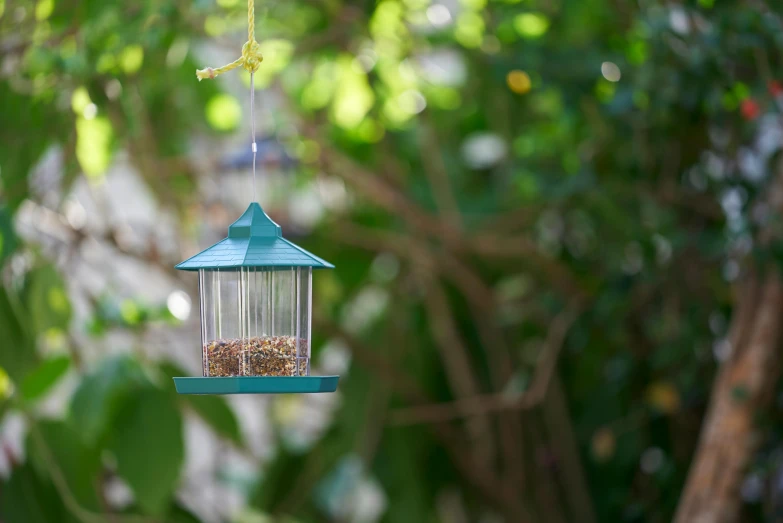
(255, 291)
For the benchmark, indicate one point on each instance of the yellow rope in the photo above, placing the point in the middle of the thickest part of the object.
(251, 52)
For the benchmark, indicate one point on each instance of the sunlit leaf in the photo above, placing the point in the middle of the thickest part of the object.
(131, 58)
(93, 145)
(80, 99)
(5, 384)
(43, 9)
(531, 25)
(475, 5)
(470, 29)
(353, 96)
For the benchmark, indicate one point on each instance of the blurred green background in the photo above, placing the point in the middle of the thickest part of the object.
(552, 220)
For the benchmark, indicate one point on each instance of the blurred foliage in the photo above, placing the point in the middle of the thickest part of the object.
(508, 161)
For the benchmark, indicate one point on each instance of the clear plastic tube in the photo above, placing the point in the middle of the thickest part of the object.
(256, 321)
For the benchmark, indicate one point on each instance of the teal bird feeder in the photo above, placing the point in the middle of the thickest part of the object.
(255, 293)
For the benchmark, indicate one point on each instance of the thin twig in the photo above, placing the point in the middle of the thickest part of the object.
(479, 474)
(438, 176)
(455, 358)
(61, 485)
(483, 404)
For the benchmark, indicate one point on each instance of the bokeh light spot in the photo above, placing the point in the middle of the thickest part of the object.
(131, 58)
(652, 460)
(353, 96)
(214, 25)
(130, 312)
(531, 25)
(603, 444)
(90, 112)
(610, 71)
(5, 384)
(93, 145)
(518, 81)
(79, 100)
(43, 9)
(663, 397)
(470, 30)
(412, 101)
(438, 15)
(223, 112)
(178, 304)
(57, 300)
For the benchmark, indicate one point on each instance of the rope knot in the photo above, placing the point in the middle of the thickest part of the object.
(251, 56)
(251, 52)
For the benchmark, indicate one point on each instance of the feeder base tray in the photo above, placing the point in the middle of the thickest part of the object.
(256, 384)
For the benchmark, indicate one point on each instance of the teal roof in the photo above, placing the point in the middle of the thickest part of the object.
(254, 240)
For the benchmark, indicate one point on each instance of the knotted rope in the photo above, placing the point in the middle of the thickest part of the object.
(251, 52)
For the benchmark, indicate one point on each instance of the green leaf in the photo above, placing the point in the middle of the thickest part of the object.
(8, 239)
(39, 381)
(27, 498)
(102, 394)
(46, 299)
(179, 514)
(19, 150)
(79, 463)
(17, 352)
(147, 442)
(214, 410)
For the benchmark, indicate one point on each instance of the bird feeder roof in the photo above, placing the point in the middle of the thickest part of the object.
(254, 240)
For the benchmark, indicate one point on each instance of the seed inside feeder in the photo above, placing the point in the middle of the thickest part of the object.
(259, 356)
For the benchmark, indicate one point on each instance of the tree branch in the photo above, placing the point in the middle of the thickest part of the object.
(483, 404)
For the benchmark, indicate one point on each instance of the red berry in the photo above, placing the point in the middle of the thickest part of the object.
(775, 87)
(749, 109)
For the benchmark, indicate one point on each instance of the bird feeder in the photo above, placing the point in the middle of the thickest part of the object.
(255, 290)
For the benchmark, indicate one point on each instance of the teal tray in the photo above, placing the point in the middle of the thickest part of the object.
(256, 384)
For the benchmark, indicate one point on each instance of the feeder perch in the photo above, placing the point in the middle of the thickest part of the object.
(255, 291)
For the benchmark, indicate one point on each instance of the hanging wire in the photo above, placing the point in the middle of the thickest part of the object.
(253, 130)
(251, 59)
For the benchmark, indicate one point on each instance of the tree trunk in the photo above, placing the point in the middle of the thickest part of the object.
(742, 388)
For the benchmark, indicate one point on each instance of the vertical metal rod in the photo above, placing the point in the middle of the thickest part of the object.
(202, 305)
(272, 284)
(309, 317)
(218, 318)
(296, 288)
(293, 299)
(240, 358)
